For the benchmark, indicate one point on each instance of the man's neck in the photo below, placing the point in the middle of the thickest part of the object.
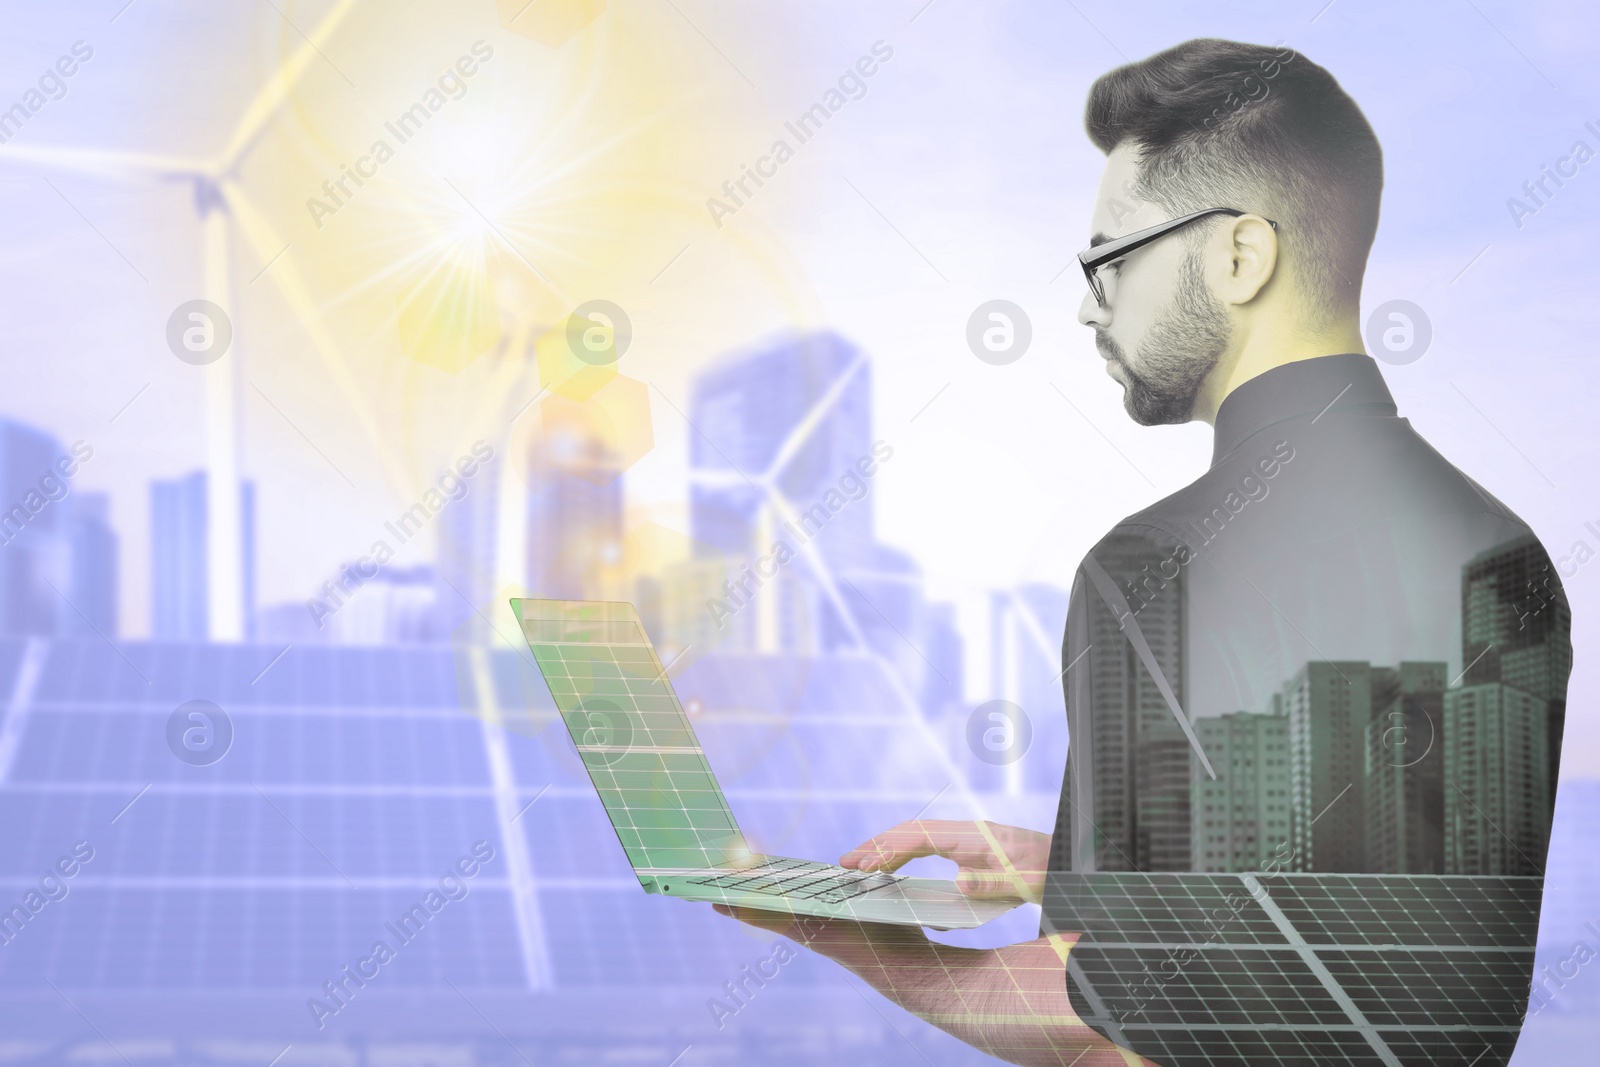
(1260, 353)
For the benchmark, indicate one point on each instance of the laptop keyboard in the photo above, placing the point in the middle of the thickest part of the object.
(799, 879)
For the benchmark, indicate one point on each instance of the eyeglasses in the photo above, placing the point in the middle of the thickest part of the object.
(1096, 256)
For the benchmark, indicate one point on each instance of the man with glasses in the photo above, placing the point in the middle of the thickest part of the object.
(1315, 699)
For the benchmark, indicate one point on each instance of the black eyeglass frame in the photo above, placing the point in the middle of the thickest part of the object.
(1096, 256)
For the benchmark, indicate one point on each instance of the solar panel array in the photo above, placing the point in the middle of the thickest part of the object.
(1192, 969)
(221, 898)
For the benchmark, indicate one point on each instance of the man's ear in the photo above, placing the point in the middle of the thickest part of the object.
(1253, 258)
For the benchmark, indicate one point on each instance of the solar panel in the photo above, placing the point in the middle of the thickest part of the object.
(1368, 969)
(202, 886)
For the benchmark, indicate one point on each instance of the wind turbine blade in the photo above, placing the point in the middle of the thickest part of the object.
(801, 433)
(124, 165)
(266, 244)
(270, 96)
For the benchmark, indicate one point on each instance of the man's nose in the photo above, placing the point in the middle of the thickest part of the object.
(1090, 313)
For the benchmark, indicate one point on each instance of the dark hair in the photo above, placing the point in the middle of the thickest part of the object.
(1222, 124)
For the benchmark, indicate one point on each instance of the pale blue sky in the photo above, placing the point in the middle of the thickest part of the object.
(965, 159)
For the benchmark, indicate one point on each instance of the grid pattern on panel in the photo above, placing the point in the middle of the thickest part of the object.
(1194, 968)
(634, 738)
(111, 937)
(1207, 1048)
(1201, 1048)
(568, 837)
(10, 660)
(1254, 988)
(353, 786)
(1407, 910)
(335, 748)
(1415, 987)
(1166, 908)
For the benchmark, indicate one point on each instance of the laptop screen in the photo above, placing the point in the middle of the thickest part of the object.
(632, 735)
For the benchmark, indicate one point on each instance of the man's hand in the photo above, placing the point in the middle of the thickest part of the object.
(1010, 1002)
(994, 860)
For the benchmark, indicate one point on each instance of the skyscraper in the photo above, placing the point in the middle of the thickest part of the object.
(883, 595)
(943, 645)
(1241, 817)
(1025, 627)
(1141, 757)
(465, 556)
(1496, 782)
(1404, 777)
(798, 411)
(179, 570)
(92, 581)
(396, 606)
(1516, 628)
(33, 551)
(1025, 645)
(179, 604)
(1329, 705)
(574, 511)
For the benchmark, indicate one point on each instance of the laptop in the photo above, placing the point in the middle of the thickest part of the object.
(663, 798)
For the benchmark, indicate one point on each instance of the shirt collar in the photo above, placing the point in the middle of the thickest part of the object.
(1326, 386)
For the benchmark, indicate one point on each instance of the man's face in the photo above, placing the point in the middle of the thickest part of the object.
(1161, 331)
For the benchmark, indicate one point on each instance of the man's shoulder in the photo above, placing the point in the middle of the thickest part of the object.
(1296, 484)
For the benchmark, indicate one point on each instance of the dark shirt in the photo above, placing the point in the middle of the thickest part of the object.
(1315, 702)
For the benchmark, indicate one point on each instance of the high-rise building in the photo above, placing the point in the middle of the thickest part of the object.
(1496, 782)
(396, 606)
(1516, 628)
(574, 513)
(883, 596)
(247, 558)
(796, 412)
(178, 601)
(33, 520)
(943, 645)
(1025, 627)
(1141, 756)
(179, 569)
(1404, 771)
(1241, 818)
(465, 557)
(92, 580)
(1329, 705)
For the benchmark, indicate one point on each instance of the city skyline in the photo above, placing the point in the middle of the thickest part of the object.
(575, 503)
(1354, 765)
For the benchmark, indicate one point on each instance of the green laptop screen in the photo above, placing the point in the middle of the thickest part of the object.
(632, 734)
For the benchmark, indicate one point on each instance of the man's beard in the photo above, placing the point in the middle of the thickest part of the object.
(1176, 356)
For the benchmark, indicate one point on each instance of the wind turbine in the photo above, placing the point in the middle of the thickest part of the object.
(778, 509)
(222, 207)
